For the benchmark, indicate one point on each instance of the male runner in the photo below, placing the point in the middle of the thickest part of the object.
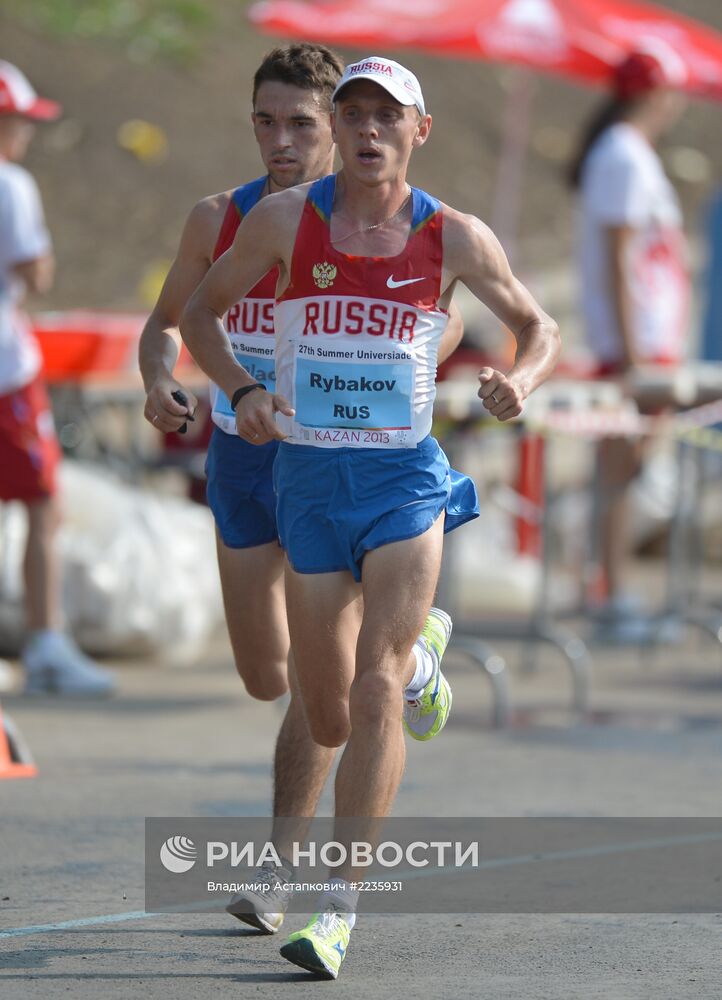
(367, 267)
(292, 104)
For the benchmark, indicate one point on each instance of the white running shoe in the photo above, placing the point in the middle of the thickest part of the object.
(54, 665)
(264, 907)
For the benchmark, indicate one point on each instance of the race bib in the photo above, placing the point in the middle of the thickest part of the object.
(355, 401)
(261, 367)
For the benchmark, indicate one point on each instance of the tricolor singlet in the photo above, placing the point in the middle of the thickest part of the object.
(357, 337)
(249, 323)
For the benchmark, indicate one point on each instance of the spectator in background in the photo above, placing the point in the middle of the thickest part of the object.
(634, 278)
(29, 451)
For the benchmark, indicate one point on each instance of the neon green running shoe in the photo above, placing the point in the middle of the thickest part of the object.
(321, 946)
(426, 716)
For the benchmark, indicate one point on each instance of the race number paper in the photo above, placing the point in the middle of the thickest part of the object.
(357, 395)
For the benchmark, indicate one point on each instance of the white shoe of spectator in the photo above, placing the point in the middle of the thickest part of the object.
(54, 665)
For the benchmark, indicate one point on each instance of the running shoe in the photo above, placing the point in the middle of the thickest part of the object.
(321, 946)
(263, 907)
(426, 716)
(54, 665)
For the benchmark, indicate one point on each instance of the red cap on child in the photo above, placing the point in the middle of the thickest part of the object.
(17, 97)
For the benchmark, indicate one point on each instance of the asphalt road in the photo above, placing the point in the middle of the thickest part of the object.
(187, 742)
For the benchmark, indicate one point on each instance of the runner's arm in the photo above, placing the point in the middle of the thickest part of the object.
(160, 341)
(262, 242)
(474, 255)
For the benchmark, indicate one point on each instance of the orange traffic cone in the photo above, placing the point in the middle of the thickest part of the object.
(15, 758)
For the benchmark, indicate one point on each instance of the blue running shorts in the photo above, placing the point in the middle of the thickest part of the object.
(335, 505)
(240, 490)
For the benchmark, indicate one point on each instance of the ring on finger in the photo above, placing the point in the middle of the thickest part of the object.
(493, 396)
(154, 418)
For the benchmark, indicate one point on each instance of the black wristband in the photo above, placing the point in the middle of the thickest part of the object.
(243, 391)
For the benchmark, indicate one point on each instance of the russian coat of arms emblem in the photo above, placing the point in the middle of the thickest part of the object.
(324, 274)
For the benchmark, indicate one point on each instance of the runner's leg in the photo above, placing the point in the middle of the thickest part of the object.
(352, 680)
(324, 618)
(252, 584)
(259, 636)
(398, 584)
(300, 770)
(399, 581)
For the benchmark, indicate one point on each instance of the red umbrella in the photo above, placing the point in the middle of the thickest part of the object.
(583, 39)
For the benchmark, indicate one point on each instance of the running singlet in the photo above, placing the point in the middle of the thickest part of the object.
(249, 323)
(357, 337)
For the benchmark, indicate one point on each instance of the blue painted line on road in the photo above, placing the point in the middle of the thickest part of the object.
(109, 918)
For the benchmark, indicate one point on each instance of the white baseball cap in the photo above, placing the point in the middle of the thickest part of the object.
(17, 97)
(392, 76)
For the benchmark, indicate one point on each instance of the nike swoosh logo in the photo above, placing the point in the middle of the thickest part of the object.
(390, 283)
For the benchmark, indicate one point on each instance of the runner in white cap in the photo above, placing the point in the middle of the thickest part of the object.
(367, 268)
(292, 101)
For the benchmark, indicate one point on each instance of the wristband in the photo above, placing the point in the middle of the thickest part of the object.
(243, 391)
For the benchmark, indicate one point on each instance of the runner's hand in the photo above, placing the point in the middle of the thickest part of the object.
(255, 416)
(164, 412)
(500, 396)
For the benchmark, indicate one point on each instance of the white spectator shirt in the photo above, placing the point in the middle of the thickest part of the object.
(623, 183)
(23, 237)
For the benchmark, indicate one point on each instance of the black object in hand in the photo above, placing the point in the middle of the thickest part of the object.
(180, 398)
